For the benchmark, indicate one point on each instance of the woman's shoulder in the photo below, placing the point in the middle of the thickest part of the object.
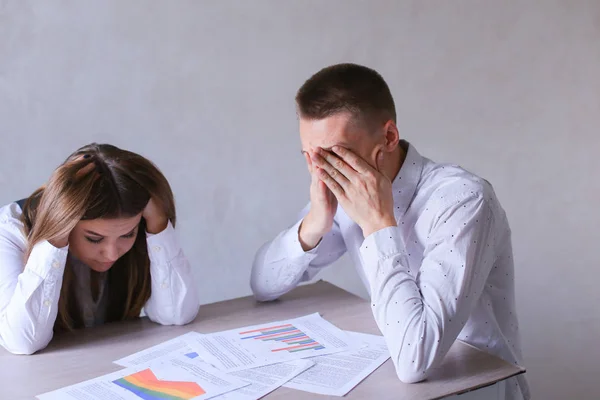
(11, 226)
(10, 212)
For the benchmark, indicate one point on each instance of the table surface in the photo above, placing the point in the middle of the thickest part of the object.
(89, 353)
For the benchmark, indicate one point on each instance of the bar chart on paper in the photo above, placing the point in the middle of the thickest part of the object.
(285, 337)
(271, 343)
(147, 386)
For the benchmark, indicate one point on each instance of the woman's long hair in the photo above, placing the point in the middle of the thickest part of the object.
(118, 185)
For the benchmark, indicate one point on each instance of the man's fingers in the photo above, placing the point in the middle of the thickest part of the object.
(356, 162)
(331, 183)
(333, 172)
(337, 163)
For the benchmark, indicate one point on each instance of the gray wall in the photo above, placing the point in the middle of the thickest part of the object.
(508, 89)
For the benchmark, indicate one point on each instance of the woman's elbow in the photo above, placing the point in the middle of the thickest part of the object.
(23, 350)
(183, 317)
(188, 316)
(23, 346)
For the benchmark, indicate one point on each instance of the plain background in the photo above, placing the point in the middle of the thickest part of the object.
(508, 89)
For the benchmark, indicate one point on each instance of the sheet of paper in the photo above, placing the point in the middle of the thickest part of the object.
(173, 347)
(176, 377)
(337, 374)
(263, 380)
(281, 341)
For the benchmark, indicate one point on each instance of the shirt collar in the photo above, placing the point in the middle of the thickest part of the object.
(405, 183)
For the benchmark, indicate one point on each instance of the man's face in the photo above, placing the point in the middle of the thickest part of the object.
(341, 130)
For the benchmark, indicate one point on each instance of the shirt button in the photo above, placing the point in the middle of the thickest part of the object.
(55, 264)
(156, 249)
(47, 303)
(164, 285)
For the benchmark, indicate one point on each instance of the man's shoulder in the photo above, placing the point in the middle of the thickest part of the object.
(443, 186)
(453, 180)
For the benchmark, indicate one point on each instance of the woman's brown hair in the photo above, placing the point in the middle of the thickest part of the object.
(118, 185)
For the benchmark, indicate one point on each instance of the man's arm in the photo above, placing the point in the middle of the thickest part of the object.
(421, 317)
(280, 265)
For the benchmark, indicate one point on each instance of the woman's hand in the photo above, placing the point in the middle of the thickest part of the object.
(156, 219)
(61, 242)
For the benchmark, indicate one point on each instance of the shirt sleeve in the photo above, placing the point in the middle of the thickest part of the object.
(421, 317)
(280, 265)
(174, 298)
(28, 293)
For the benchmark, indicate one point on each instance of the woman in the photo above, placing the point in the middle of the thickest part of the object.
(95, 244)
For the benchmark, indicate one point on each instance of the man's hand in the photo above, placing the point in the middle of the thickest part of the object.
(323, 205)
(362, 191)
(156, 219)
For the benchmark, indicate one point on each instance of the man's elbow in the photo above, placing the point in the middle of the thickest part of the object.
(415, 363)
(261, 289)
(410, 375)
(410, 371)
(259, 284)
(261, 292)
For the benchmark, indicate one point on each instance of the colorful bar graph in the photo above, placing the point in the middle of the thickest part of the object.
(145, 385)
(266, 329)
(319, 347)
(288, 334)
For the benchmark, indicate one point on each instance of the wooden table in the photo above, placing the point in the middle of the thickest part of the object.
(89, 353)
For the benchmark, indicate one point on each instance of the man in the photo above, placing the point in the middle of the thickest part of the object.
(430, 241)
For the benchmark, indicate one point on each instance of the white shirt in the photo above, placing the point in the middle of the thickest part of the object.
(29, 294)
(445, 272)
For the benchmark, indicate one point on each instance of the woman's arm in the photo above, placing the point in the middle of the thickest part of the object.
(28, 293)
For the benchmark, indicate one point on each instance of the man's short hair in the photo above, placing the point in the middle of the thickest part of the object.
(349, 88)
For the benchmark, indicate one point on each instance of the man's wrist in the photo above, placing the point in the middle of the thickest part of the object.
(308, 240)
(378, 225)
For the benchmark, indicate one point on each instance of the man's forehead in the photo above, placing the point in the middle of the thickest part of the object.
(326, 140)
(326, 133)
(326, 146)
